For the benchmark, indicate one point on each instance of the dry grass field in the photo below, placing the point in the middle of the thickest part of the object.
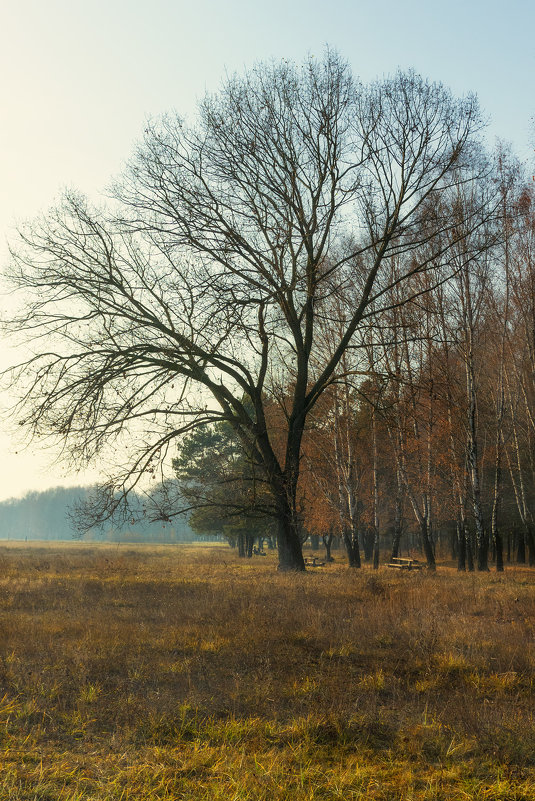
(176, 672)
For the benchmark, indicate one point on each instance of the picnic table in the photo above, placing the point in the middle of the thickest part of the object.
(405, 563)
(314, 561)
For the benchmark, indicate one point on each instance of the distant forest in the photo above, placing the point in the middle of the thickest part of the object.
(44, 516)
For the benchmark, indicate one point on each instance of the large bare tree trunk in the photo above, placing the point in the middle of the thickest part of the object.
(289, 542)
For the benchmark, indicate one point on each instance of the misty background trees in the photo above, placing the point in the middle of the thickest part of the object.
(46, 516)
(327, 270)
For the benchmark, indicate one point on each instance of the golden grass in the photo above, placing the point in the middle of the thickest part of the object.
(177, 672)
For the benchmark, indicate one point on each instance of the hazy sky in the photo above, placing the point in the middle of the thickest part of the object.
(79, 79)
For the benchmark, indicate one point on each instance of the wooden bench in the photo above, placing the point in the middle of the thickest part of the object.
(314, 561)
(400, 563)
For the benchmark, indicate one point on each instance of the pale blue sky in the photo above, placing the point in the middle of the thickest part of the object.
(79, 79)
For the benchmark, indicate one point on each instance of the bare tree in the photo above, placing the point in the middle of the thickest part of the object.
(197, 293)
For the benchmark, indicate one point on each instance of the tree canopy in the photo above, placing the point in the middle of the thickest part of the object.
(298, 199)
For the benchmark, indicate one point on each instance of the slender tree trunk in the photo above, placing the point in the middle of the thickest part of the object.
(496, 503)
(421, 515)
(347, 477)
(499, 551)
(461, 545)
(531, 545)
(368, 541)
(482, 540)
(427, 544)
(521, 547)
(519, 484)
(398, 518)
(500, 394)
(375, 495)
(352, 548)
(495, 530)
(354, 532)
(327, 542)
(469, 551)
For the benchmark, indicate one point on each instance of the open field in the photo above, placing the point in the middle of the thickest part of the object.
(176, 672)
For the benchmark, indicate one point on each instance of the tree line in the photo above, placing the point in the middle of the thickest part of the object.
(330, 273)
(48, 515)
(436, 433)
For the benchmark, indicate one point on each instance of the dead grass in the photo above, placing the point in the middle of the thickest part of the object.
(175, 672)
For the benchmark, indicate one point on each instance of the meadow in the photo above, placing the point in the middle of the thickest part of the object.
(182, 672)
